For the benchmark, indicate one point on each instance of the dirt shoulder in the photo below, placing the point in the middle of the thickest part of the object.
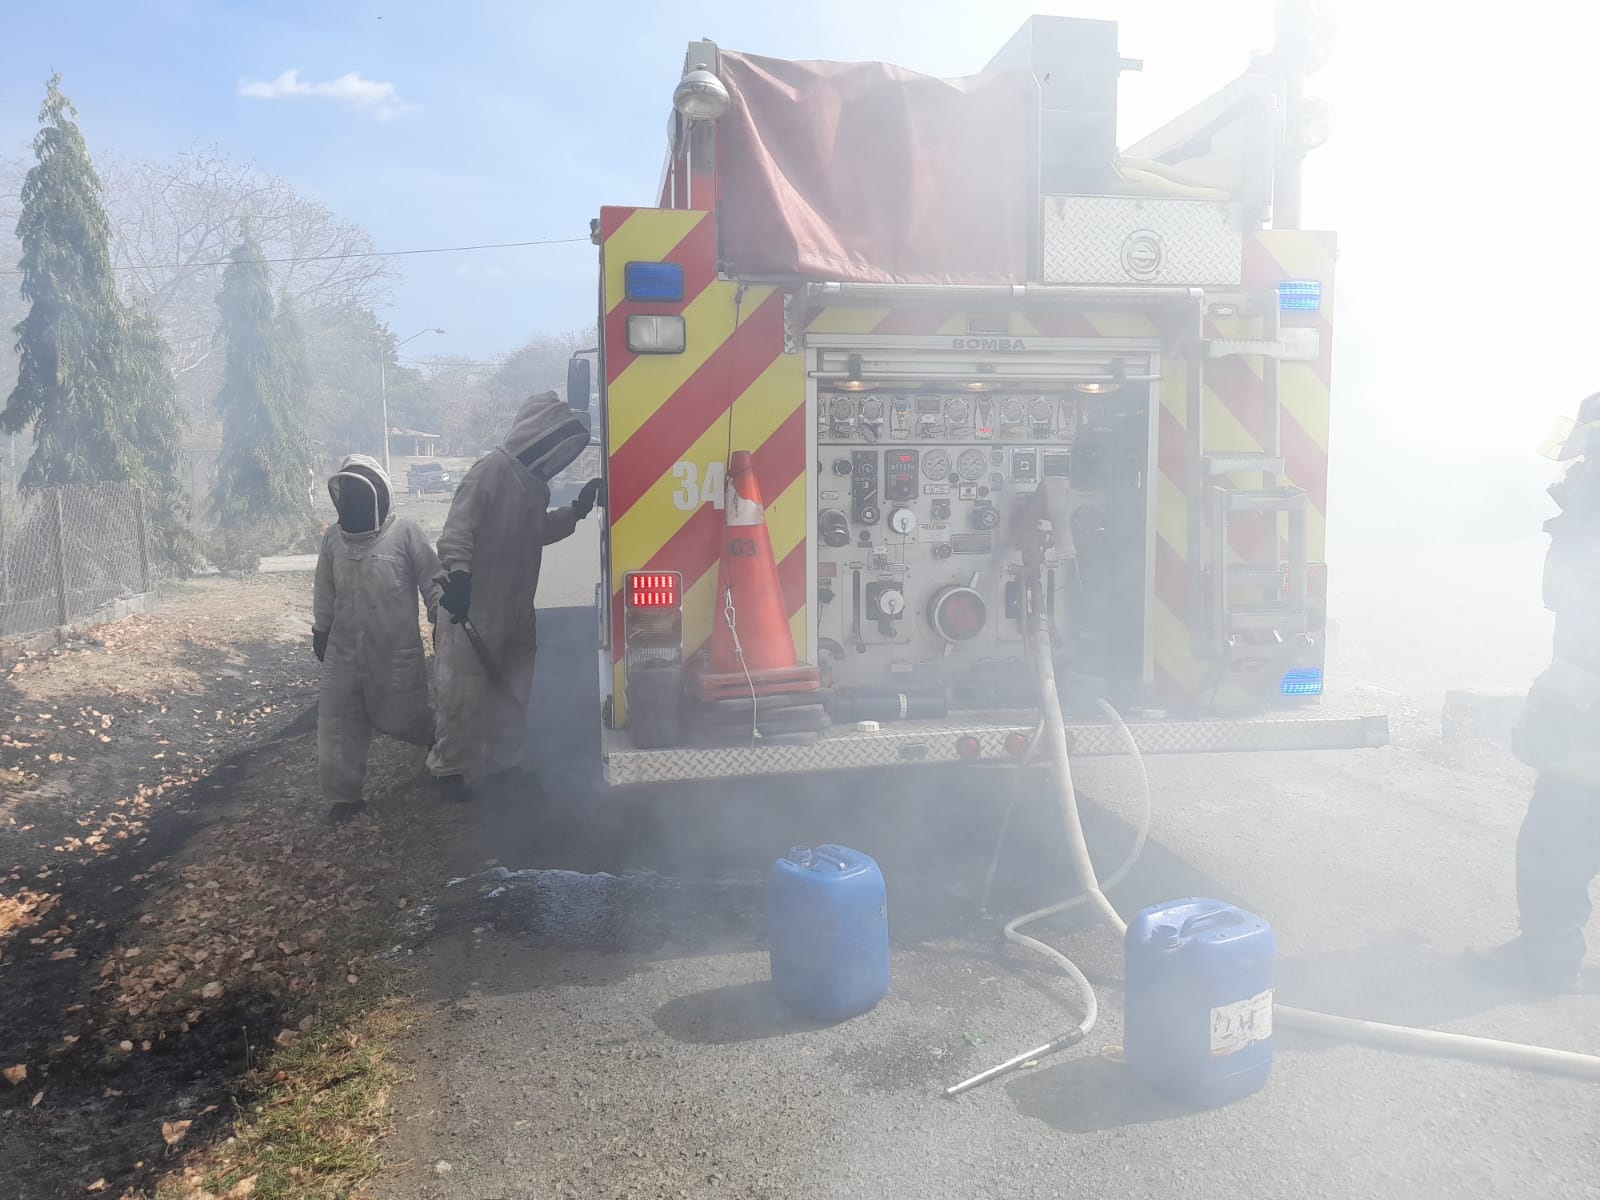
(173, 908)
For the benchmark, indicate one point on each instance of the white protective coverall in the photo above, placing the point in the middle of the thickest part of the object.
(374, 676)
(498, 527)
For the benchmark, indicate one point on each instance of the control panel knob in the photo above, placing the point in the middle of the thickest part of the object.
(943, 550)
(869, 514)
(903, 521)
(941, 510)
(842, 467)
(892, 601)
(986, 518)
(834, 528)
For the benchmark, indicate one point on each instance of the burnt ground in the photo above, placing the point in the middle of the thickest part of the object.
(169, 897)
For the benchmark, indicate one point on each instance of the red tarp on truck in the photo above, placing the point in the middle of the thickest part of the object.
(868, 173)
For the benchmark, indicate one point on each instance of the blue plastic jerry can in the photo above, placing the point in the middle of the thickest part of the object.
(828, 932)
(1199, 1000)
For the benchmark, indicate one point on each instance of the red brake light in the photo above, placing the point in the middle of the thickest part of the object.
(967, 746)
(1016, 744)
(661, 589)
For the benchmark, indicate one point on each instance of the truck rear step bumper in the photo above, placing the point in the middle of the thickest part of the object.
(900, 743)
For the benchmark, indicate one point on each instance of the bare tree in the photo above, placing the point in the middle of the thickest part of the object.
(538, 365)
(477, 400)
(174, 222)
(12, 309)
(470, 416)
(12, 172)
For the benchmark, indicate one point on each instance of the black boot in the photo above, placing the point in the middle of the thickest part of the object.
(453, 789)
(1522, 963)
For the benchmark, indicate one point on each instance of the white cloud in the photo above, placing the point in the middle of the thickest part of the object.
(368, 95)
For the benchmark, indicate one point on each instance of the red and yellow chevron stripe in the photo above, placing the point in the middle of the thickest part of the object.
(1234, 420)
(671, 420)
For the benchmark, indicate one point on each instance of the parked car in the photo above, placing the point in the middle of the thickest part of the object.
(428, 477)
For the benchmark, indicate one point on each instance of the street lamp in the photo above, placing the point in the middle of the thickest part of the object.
(383, 388)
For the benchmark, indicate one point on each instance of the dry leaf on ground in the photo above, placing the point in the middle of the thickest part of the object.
(15, 1075)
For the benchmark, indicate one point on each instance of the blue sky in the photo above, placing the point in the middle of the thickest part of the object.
(519, 120)
(1457, 176)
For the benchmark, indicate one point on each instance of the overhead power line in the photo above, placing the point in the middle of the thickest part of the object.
(444, 360)
(300, 258)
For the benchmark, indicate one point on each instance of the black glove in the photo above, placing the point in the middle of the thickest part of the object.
(457, 596)
(319, 643)
(584, 504)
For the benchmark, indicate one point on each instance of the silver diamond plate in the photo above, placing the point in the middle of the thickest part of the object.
(1134, 240)
(904, 743)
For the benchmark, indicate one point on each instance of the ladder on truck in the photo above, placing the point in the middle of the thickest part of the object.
(1278, 582)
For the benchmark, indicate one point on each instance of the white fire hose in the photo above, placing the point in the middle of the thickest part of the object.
(1373, 1033)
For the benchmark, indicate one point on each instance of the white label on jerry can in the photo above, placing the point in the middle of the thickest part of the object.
(1234, 1026)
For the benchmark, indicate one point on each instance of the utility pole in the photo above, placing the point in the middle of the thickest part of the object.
(383, 387)
(383, 396)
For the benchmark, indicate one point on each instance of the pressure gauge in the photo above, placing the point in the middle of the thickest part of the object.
(903, 521)
(1040, 410)
(956, 412)
(871, 408)
(840, 408)
(1011, 410)
(971, 465)
(935, 465)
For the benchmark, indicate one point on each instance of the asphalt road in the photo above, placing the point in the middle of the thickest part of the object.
(603, 1036)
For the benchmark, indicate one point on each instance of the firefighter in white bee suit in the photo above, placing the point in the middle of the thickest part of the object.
(365, 630)
(491, 549)
(1558, 847)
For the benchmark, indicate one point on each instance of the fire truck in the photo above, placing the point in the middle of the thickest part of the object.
(924, 314)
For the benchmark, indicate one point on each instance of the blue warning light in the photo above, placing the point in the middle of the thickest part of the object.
(1300, 295)
(1301, 681)
(657, 282)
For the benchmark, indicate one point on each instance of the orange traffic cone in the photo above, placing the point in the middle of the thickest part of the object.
(751, 646)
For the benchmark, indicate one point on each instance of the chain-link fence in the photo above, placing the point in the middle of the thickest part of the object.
(67, 554)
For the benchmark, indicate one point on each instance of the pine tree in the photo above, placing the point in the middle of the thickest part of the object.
(93, 378)
(155, 413)
(263, 470)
